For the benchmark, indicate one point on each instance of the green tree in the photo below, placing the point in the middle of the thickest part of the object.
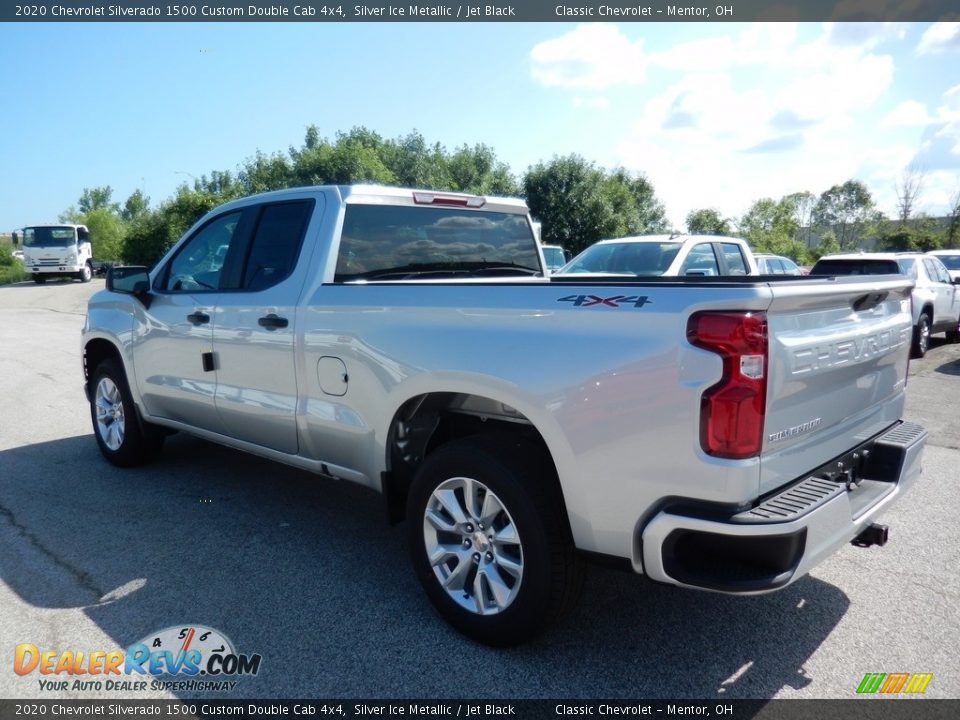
(646, 214)
(849, 211)
(135, 206)
(107, 231)
(98, 198)
(355, 157)
(771, 226)
(414, 163)
(828, 245)
(153, 233)
(477, 170)
(920, 235)
(148, 237)
(952, 236)
(579, 203)
(266, 172)
(707, 222)
(566, 195)
(803, 204)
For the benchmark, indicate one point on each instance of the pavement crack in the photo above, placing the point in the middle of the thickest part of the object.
(82, 578)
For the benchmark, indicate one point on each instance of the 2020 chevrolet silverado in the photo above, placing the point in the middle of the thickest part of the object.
(715, 433)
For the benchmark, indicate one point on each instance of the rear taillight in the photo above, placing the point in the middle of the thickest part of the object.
(731, 412)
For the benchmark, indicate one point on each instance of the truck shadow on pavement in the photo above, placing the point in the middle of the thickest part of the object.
(307, 573)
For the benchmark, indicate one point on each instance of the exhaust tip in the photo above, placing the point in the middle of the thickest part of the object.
(873, 534)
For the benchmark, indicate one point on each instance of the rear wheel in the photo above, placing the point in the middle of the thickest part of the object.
(489, 539)
(123, 438)
(921, 336)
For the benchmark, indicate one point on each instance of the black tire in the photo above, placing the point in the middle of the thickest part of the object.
(124, 439)
(522, 481)
(86, 274)
(39, 279)
(921, 337)
(953, 336)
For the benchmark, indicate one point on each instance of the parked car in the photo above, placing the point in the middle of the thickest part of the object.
(776, 265)
(936, 297)
(555, 256)
(950, 260)
(664, 255)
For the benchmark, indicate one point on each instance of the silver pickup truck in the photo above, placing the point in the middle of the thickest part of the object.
(715, 433)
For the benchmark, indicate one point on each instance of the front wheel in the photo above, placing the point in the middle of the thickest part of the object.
(921, 336)
(123, 438)
(85, 274)
(489, 540)
(39, 279)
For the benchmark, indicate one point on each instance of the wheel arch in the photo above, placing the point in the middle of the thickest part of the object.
(425, 421)
(95, 351)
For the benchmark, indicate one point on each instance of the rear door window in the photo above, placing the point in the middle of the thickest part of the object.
(733, 254)
(276, 243)
(935, 271)
(701, 260)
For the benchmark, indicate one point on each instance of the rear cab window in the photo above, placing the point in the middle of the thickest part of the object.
(857, 266)
(398, 242)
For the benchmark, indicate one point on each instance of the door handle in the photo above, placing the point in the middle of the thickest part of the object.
(198, 318)
(272, 322)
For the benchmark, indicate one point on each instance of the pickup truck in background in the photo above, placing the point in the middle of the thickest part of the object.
(665, 256)
(554, 256)
(716, 433)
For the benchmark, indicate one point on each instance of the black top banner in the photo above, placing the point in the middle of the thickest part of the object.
(489, 11)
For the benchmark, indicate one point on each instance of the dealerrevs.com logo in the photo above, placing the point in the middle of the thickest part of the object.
(184, 657)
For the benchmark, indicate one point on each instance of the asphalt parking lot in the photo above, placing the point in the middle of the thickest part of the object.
(308, 574)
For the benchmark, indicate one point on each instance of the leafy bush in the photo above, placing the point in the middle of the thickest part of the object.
(6, 257)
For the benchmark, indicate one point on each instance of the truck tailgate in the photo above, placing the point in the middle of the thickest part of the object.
(838, 356)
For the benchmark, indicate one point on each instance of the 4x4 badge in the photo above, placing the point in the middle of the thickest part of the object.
(637, 301)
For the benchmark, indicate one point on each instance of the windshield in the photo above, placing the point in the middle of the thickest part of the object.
(391, 242)
(951, 261)
(626, 258)
(49, 236)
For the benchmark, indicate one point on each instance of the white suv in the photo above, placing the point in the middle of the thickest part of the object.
(936, 297)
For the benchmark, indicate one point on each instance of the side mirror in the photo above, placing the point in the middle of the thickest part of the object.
(130, 280)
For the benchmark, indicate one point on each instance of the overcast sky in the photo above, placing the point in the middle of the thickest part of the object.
(717, 115)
